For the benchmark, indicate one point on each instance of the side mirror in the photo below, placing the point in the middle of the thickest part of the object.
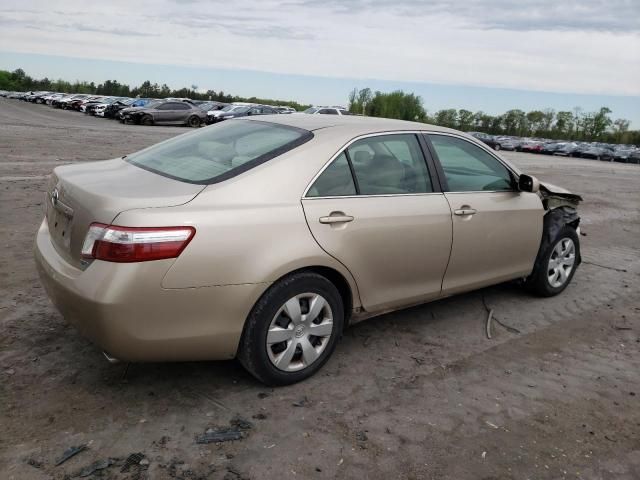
(527, 183)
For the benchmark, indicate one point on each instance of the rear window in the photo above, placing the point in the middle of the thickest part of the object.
(219, 152)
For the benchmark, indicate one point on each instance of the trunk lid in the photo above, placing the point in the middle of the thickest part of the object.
(78, 195)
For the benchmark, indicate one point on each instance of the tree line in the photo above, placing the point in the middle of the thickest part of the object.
(562, 125)
(566, 125)
(19, 81)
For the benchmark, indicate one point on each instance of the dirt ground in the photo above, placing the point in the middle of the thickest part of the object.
(420, 393)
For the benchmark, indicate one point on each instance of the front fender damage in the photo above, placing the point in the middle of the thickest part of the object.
(561, 209)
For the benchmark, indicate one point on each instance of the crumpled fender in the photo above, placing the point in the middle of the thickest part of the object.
(554, 197)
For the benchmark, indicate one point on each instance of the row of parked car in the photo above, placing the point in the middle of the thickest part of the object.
(591, 150)
(194, 113)
(153, 111)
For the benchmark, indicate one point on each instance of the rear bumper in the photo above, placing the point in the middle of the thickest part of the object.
(124, 310)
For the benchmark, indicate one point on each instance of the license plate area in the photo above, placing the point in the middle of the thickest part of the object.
(59, 227)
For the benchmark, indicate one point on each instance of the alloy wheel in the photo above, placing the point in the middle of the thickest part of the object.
(299, 332)
(561, 262)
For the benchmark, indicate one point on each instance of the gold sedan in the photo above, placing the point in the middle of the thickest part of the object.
(262, 239)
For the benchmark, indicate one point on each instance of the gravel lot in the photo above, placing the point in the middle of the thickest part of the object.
(420, 393)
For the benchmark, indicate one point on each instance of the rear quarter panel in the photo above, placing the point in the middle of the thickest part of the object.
(249, 229)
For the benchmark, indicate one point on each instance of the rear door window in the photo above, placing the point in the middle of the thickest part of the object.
(335, 181)
(382, 165)
(389, 164)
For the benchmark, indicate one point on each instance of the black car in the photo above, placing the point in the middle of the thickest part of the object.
(550, 148)
(566, 150)
(112, 111)
(487, 139)
(597, 153)
(622, 154)
(39, 97)
(634, 156)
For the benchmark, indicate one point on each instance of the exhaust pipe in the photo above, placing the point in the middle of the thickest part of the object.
(109, 358)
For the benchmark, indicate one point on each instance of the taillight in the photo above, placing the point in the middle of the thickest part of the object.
(113, 243)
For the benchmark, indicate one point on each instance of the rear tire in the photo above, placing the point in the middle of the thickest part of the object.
(278, 346)
(556, 263)
(496, 147)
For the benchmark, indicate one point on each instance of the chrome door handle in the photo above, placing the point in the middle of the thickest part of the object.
(336, 219)
(465, 211)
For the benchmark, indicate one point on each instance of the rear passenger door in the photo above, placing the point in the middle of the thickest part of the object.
(496, 228)
(377, 208)
(179, 112)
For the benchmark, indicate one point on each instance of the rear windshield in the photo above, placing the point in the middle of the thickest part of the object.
(220, 151)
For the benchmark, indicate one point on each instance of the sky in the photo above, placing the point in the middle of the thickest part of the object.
(489, 55)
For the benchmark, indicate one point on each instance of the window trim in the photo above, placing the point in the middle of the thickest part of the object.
(479, 144)
(435, 183)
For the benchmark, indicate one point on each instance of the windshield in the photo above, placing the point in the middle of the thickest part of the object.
(311, 110)
(219, 152)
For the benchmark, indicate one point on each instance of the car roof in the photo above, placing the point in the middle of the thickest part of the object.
(356, 125)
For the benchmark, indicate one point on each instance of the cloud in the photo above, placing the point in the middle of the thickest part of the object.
(79, 27)
(544, 45)
(249, 26)
(584, 15)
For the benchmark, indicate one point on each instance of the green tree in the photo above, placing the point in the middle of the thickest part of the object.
(564, 124)
(447, 118)
(400, 105)
(534, 121)
(601, 121)
(547, 120)
(515, 122)
(620, 128)
(465, 120)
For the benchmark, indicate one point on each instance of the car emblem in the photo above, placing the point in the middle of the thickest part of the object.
(55, 196)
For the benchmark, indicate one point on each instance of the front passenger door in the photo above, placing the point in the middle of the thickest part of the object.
(496, 228)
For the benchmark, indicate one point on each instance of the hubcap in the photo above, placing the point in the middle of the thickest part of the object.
(561, 262)
(299, 332)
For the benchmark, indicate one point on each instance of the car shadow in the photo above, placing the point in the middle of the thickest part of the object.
(230, 377)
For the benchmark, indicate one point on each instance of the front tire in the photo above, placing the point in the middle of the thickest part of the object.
(556, 264)
(193, 122)
(292, 330)
(147, 120)
(496, 147)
